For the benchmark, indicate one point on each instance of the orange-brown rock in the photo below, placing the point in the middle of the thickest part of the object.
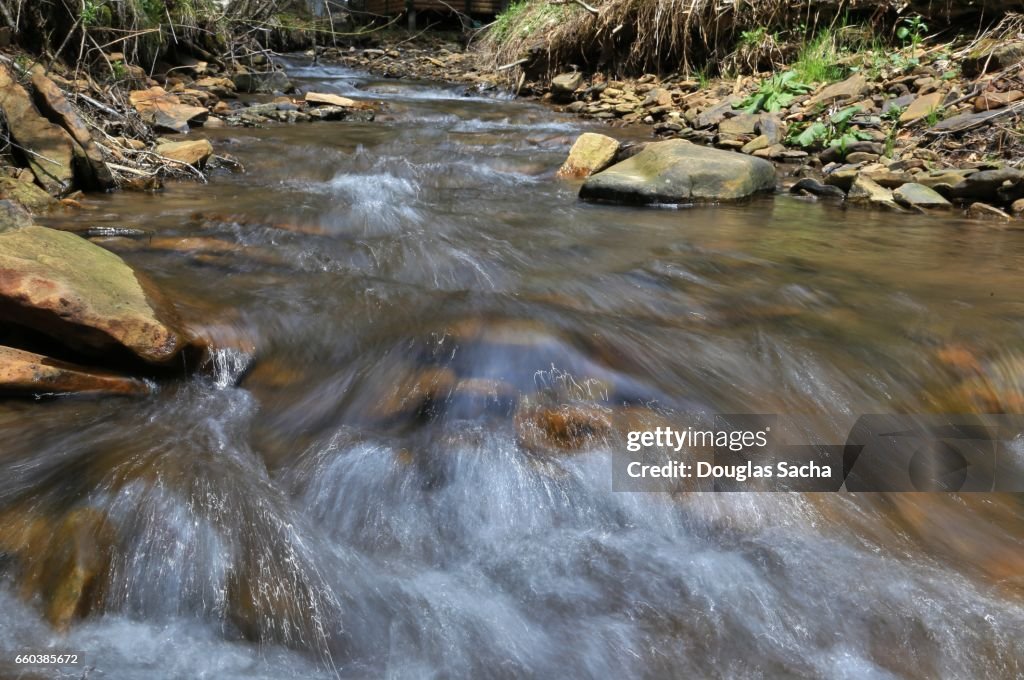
(560, 429)
(320, 98)
(27, 373)
(50, 151)
(193, 152)
(55, 106)
(165, 111)
(66, 561)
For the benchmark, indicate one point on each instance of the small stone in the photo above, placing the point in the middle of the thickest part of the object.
(737, 126)
(319, 99)
(996, 100)
(195, 152)
(851, 88)
(165, 111)
(1017, 207)
(985, 184)
(921, 107)
(756, 144)
(861, 157)
(842, 177)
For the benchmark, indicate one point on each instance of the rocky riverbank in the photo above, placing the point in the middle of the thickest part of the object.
(924, 128)
(76, 317)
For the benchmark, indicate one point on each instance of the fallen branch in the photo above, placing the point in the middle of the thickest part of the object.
(130, 171)
(593, 10)
(513, 64)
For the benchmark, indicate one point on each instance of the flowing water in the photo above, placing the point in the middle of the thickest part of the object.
(344, 493)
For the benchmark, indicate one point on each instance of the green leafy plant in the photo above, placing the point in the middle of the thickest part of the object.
(835, 131)
(893, 116)
(775, 93)
(118, 70)
(911, 30)
(90, 13)
(933, 116)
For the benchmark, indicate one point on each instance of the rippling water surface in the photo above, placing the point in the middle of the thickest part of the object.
(348, 494)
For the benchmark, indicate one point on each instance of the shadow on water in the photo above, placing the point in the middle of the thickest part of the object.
(410, 473)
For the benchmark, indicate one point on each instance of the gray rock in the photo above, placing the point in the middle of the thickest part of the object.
(270, 81)
(677, 171)
(915, 195)
(771, 127)
(713, 115)
(13, 216)
(866, 190)
(564, 85)
(834, 154)
(985, 184)
(816, 188)
(737, 126)
(842, 177)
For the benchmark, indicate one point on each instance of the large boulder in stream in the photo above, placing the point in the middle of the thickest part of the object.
(85, 297)
(677, 171)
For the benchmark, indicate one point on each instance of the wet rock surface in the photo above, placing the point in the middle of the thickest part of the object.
(84, 296)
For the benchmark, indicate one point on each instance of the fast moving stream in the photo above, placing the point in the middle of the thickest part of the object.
(355, 497)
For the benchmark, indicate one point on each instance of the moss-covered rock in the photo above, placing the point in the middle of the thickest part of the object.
(677, 171)
(83, 296)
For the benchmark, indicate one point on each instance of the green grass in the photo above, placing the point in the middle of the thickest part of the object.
(524, 18)
(818, 59)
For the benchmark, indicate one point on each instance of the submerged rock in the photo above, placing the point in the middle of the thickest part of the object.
(83, 296)
(590, 153)
(33, 374)
(561, 429)
(677, 171)
(65, 560)
(47, 148)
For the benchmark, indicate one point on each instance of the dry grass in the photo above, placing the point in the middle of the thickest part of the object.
(633, 36)
(629, 37)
